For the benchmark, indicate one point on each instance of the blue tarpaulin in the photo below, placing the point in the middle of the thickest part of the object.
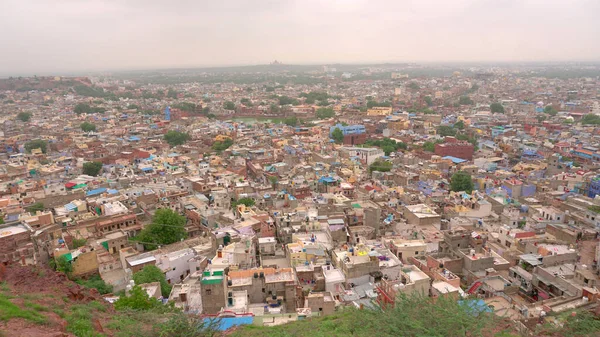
(96, 191)
(225, 323)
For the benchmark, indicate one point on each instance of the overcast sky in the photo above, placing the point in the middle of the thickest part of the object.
(47, 36)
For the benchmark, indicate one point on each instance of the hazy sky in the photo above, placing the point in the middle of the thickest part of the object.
(46, 36)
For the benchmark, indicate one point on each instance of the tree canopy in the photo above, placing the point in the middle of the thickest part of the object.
(185, 106)
(167, 227)
(590, 119)
(97, 283)
(86, 108)
(497, 108)
(459, 125)
(229, 105)
(92, 168)
(38, 206)
(323, 113)
(174, 137)
(381, 166)
(138, 299)
(152, 273)
(221, 146)
(314, 96)
(444, 130)
(550, 110)
(373, 104)
(87, 127)
(387, 145)
(63, 265)
(285, 100)
(291, 121)
(465, 100)
(337, 135)
(24, 116)
(428, 100)
(461, 181)
(36, 144)
(429, 146)
(248, 202)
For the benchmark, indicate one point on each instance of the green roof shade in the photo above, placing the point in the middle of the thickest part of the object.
(212, 279)
(69, 256)
(105, 245)
(356, 206)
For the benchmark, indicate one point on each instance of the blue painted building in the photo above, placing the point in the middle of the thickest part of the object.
(349, 129)
(594, 187)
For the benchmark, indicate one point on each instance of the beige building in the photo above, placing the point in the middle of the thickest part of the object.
(379, 111)
(421, 215)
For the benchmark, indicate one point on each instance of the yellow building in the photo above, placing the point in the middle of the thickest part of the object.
(221, 138)
(379, 111)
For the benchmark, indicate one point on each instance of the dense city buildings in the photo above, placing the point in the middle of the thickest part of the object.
(278, 193)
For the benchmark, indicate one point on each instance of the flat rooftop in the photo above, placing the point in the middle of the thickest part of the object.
(12, 230)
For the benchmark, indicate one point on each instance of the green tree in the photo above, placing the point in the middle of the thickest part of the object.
(337, 135)
(386, 144)
(171, 93)
(275, 108)
(221, 146)
(285, 100)
(24, 116)
(465, 100)
(167, 227)
(87, 127)
(291, 121)
(459, 125)
(185, 106)
(590, 119)
(152, 273)
(63, 265)
(92, 168)
(82, 108)
(246, 101)
(248, 202)
(461, 181)
(428, 100)
(429, 146)
(387, 149)
(314, 96)
(381, 166)
(79, 243)
(444, 130)
(373, 104)
(273, 180)
(34, 208)
(181, 324)
(229, 105)
(550, 110)
(36, 144)
(138, 299)
(96, 282)
(414, 86)
(175, 138)
(497, 108)
(323, 113)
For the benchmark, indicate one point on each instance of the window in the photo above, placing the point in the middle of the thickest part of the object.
(208, 292)
(417, 253)
(263, 290)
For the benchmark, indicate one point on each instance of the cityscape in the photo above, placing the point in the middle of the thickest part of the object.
(291, 198)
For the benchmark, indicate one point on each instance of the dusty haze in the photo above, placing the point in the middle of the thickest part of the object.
(80, 35)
